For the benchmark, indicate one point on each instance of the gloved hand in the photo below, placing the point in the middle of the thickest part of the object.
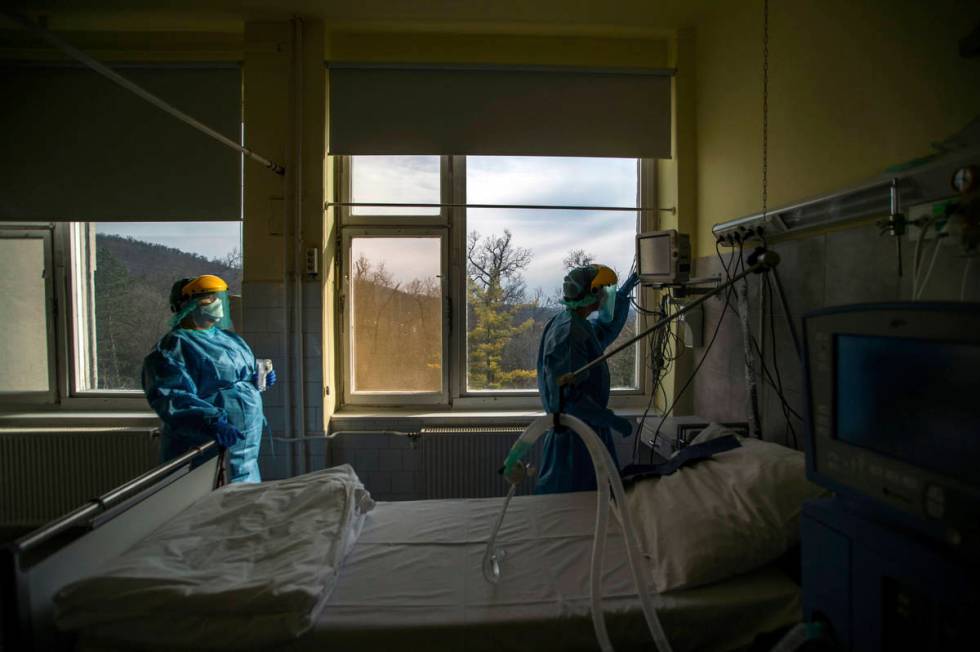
(224, 433)
(270, 379)
(627, 287)
(622, 425)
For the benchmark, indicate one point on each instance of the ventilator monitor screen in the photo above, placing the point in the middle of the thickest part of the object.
(654, 254)
(916, 400)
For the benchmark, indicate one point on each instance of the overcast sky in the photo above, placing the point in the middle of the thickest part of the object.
(549, 234)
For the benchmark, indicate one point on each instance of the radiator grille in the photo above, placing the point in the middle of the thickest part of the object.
(462, 462)
(46, 473)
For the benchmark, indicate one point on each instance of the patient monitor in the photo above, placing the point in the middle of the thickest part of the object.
(663, 257)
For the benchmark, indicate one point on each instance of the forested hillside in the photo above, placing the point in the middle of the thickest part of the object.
(132, 286)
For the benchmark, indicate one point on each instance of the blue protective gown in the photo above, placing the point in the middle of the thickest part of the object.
(193, 377)
(568, 343)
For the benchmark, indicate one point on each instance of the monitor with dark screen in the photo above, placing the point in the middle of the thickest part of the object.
(910, 399)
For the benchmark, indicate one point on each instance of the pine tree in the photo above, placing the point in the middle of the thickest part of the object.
(496, 294)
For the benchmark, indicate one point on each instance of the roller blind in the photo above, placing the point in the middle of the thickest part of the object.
(77, 147)
(381, 109)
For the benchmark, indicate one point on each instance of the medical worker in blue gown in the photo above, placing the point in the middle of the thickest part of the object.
(202, 379)
(571, 339)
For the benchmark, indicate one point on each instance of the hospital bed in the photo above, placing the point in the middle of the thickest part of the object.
(411, 580)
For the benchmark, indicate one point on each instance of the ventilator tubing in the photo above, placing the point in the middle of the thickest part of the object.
(607, 476)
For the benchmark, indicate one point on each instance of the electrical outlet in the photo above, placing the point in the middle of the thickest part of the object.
(929, 210)
(312, 261)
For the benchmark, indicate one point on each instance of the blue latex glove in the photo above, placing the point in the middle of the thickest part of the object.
(270, 379)
(622, 425)
(627, 287)
(224, 433)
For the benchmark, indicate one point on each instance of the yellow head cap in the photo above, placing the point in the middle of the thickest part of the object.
(604, 276)
(204, 285)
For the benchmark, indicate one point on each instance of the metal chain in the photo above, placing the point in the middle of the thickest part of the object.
(765, 107)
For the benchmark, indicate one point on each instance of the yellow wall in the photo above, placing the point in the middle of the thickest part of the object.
(676, 178)
(498, 49)
(853, 88)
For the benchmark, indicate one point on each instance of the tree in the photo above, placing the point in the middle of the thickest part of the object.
(496, 292)
(395, 326)
(233, 259)
(577, 258)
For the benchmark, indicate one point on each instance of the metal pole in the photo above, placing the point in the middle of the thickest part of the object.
(361, 204)
(767, 261)
(115, 77)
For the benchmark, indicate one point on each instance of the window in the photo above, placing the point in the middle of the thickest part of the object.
(396, 315)
(516, 258)
(446, 303)
(395, 180)
(26, 350)
(121, 287)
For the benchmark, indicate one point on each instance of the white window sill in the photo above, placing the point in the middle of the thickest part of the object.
(60, 419)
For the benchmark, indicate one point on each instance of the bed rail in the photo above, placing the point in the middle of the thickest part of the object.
(36, 566)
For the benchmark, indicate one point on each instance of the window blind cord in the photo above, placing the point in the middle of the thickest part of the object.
(116, 78)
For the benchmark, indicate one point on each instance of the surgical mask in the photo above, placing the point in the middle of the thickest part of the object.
(214, 311)
(607, 304)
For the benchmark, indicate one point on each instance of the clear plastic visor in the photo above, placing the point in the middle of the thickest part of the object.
(204, 311)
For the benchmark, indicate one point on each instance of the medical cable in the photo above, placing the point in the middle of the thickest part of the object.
(775, 362)
(916, 255)
(966, 277)
(765, 369)
(932, 265)
(752, 393)
(694, 373)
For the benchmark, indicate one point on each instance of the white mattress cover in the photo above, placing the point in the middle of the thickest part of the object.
(414, 581)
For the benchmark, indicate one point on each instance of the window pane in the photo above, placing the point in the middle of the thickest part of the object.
(24, 346)
(551, 181)
(517, 258)
(396, 314)
(135, 265)
(395, 179)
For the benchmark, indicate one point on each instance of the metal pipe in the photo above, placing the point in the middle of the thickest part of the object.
(355, 204)
(299, 355)
(108, 500)
(767, 261)
(116, 78)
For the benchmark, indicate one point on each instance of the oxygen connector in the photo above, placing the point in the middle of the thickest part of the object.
(515, 469)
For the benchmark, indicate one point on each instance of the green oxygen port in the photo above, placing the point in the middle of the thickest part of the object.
(517, 451)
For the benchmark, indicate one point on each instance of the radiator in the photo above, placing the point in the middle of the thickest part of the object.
(45, 473)
(462, 462)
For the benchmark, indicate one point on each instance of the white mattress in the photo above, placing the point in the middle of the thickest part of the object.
(414, 581)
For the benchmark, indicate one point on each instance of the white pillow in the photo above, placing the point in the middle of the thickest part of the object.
(723, 516)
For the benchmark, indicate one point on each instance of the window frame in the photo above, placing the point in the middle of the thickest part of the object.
(452, 220)
(45, 233)
(350, 397)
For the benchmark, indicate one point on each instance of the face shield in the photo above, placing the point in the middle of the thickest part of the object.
(607, 303)
(206, 311)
